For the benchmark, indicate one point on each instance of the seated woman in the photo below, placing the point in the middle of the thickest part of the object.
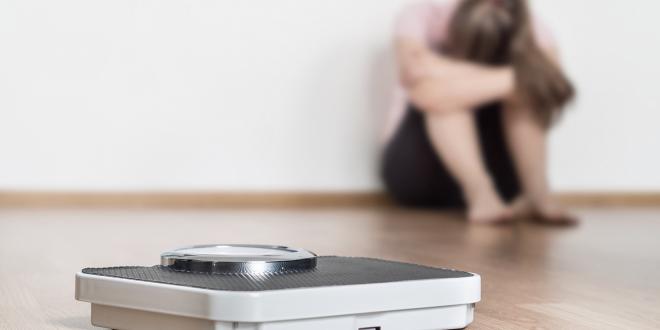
(481, 87)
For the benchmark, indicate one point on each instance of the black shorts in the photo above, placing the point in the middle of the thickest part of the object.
(415, 176)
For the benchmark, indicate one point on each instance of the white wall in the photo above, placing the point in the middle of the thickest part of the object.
(277, 94)
(612, 140)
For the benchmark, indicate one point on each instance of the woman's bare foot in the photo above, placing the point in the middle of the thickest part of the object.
(488, 208)
(522, 208)
(545, 210)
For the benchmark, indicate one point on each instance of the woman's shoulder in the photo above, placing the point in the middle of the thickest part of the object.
(429, 7)
(425, 19)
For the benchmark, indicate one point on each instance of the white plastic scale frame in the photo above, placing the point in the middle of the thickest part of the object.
(409, 305)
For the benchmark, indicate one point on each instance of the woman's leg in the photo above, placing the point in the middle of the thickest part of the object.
(527, 140)
(455, 140)
(411, 171)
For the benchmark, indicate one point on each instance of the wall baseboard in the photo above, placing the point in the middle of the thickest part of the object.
(190, 199)
(611, 199)
(268, 200)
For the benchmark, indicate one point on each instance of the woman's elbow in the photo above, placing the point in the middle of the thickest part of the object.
(434, 108)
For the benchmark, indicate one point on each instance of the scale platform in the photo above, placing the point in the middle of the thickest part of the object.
(256, 287)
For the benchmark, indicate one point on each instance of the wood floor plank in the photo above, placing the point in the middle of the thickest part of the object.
(600, 275)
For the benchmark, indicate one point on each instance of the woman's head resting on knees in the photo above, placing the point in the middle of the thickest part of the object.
(501, 32)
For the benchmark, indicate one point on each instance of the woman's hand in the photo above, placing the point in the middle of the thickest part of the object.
(418, 63)
(414, 62)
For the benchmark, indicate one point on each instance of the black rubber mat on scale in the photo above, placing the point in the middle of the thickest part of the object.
(329, 271)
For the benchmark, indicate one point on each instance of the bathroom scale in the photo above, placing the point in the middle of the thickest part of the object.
(259, 287)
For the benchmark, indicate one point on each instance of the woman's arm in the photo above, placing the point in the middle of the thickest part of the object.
(439, 84)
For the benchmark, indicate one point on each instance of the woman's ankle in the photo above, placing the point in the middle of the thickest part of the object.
(488, 207)
(542, 199)
(480, 191)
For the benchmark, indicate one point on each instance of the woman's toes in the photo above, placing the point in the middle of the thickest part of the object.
(553, 214)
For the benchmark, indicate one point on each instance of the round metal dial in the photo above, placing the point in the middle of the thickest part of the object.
(242, 259)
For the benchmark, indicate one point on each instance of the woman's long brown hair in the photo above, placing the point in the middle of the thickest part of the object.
(500, 32)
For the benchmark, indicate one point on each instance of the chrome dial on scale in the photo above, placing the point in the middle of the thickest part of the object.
(238, 259)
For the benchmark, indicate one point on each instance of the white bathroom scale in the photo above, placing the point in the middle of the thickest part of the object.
(257, 287)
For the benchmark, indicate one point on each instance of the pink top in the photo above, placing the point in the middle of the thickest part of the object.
(428, 22)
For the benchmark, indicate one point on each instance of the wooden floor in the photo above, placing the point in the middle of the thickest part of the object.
(604, 274)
